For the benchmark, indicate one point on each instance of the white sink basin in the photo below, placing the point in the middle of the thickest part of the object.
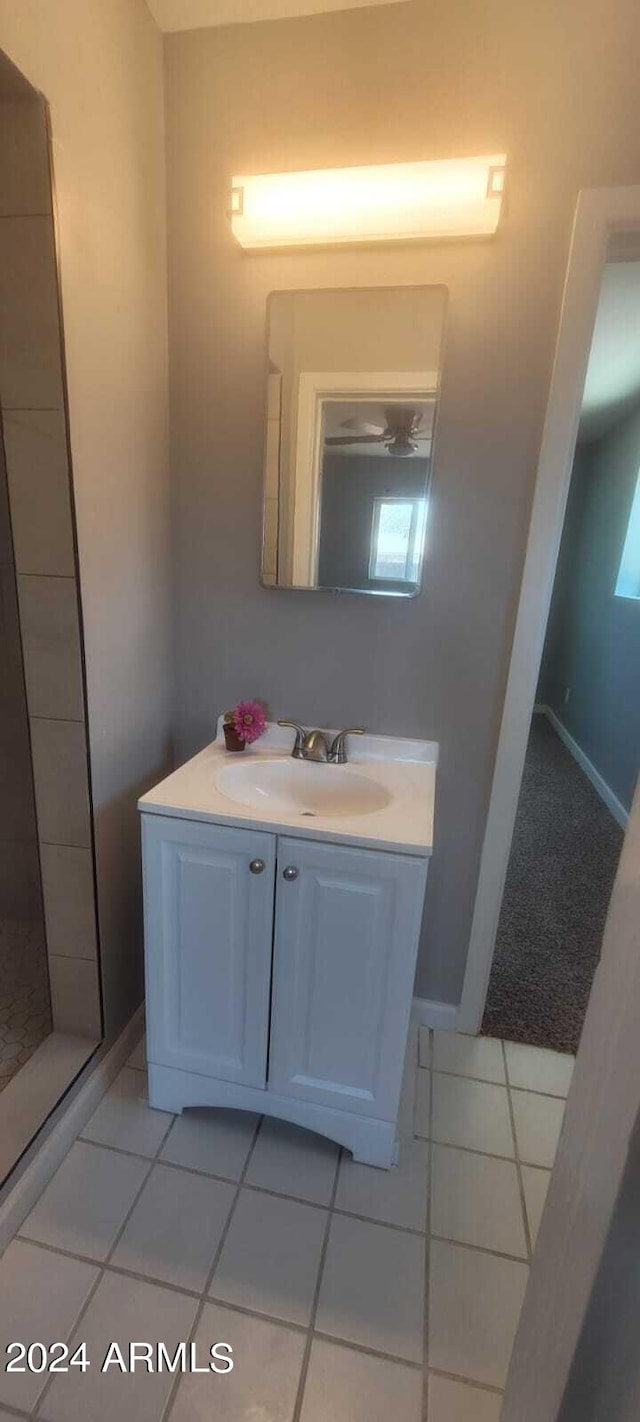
(301, 788)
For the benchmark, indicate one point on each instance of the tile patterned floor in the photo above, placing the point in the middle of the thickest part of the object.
(25, 1005)
(217, 1227)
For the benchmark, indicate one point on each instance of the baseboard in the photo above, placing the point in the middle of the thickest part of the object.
(62, 1128)
(613, 804)
(443, 1015)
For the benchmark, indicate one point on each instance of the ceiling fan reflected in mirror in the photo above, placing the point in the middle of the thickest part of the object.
(404, 424)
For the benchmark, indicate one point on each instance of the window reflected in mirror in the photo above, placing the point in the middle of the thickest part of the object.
(352, 390)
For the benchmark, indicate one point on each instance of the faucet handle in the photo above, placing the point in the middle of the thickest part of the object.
(337, 752)
(300, 735)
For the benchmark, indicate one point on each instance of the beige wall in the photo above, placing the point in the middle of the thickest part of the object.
(556, 87)
(99, 64)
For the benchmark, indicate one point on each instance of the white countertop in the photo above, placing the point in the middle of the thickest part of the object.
(406, 769)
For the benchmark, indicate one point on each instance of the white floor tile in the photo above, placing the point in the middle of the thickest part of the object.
(474, 1307)
(347, 1386)
(372, 1289)
(125, 1120)
(535, 1183)
(451, 1401)
(397, 1196)
(86, 1202)
(271, 1257)
(214, 1141)
(424, 1047)
(176, 1227)
(264, 1382)
(293, 1161)
(122, 1310)
(472, 1114)
(476, 1200)
(138, 1056)
(538, 1069)
(422, 1103)
(480, 1057)
(538, 1124)
(41, 1295)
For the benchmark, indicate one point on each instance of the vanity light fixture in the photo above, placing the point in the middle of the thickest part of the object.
(394, 202)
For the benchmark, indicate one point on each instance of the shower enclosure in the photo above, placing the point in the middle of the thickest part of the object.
(25, 1001)
(50, 993)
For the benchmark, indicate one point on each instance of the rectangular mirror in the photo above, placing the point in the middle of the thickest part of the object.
(352, 390)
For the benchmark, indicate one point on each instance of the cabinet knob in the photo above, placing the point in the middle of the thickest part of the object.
(256, 866)
(290, 873)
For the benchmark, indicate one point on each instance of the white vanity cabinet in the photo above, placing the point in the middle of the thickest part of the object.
(208, 930)
(346, 934)
(280, 976)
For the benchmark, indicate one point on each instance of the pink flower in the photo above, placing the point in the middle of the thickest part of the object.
(249, 720)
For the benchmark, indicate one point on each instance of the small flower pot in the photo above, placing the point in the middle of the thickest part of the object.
(231, 739)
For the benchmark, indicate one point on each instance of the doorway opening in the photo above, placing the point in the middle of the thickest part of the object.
(569, 748)
(583, 750)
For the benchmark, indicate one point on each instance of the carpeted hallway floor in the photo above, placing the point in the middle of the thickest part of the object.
(564, 857)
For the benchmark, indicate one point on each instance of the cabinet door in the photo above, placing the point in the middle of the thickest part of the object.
(208, 931)
(347, 930)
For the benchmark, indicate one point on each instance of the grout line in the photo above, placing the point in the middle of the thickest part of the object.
(244, 1309)
(491, 1155)
(505, 1084)
(63, 843)
(531, 1091)
(114, 1268)
(108, 1266)
(171, 1396)
(480, 1249)
(470, 1382)
(52, 577)
(468, 1150)
(60, 720)
(302, 1381)
(523, 1203)
(369, 1352)
(102, 1267)
(248, 1312)
(257, 1189)
(375, 1219)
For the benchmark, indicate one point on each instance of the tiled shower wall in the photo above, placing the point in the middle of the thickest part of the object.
(34, 425)
(19, 875)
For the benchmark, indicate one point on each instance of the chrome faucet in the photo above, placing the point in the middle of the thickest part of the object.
(313, 745)
(308, 745)
(338, 749)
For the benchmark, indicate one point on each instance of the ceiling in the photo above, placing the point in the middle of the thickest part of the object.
(173, 15)
(612, 385)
